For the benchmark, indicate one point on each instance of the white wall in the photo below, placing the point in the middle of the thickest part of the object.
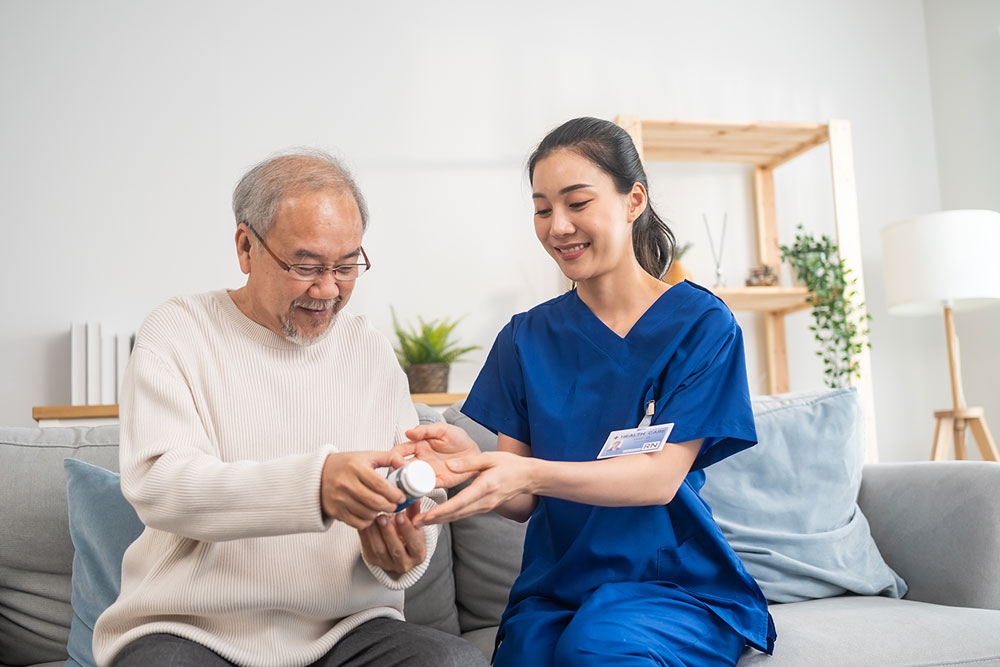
(125, 125)
(963, 47)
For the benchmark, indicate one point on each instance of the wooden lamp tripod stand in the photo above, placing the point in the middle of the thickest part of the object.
(948, 258)
(951, 423)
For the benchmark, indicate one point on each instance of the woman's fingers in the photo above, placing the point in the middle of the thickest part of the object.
(425, 431)
(467, 502)
(401, 451)
(474, 463)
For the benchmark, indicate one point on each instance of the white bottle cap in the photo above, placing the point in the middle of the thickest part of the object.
(417, 478)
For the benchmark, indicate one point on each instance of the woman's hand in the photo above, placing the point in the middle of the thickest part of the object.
(437, 444)
(502, 477)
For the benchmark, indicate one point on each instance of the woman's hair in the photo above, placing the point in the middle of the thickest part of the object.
(611, 149)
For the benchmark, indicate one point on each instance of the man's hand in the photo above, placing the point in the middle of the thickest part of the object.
(392, 543)
(351, 491)
(436, 444)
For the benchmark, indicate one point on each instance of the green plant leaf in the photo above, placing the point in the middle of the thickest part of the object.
(817, 264)
(429, 342)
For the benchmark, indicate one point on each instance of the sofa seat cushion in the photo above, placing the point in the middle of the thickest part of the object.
(868, 630)
(36, 553)
(484, 638)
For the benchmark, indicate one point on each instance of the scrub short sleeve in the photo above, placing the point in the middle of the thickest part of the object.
(712, 400)
(497, 400)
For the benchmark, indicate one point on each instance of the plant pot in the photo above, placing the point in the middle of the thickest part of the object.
(428, 378)
(677, 273)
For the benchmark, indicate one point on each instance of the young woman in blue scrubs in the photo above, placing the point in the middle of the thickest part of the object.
(623, 563)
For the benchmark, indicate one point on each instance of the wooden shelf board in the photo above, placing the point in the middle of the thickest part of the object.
(765, 299)
(73, 411)
(767, 144)
(110, 411)
(437, 399)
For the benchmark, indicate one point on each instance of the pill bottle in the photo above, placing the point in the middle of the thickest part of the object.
(416, 479)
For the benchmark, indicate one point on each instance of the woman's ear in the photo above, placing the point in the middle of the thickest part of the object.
(243, 243)
(637, 201)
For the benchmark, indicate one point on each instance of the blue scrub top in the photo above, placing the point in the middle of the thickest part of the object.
(559, 380)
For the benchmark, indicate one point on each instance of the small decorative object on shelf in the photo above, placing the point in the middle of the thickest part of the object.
(427, 352)
(840, 324)
(720, 279)
(677, 273)
(762, 275)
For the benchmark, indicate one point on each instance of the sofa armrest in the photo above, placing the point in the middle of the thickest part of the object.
(937, 525)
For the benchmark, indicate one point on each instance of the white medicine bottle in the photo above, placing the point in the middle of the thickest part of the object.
(416, 479)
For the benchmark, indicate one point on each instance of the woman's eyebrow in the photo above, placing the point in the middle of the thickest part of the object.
(568, 188)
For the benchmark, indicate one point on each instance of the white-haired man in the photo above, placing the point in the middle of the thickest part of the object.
(252, 424)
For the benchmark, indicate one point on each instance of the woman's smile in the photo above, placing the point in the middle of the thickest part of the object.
(571, 251)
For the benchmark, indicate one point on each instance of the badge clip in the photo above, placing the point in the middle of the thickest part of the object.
(648, 419)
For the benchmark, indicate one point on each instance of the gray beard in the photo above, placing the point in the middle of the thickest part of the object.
(291, 333)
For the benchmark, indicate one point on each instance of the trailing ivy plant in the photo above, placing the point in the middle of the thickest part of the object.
(428, 343)
(838, 328)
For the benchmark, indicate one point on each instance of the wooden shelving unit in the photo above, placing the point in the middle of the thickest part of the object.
(93, 415)
(782, 300)
(764, 147)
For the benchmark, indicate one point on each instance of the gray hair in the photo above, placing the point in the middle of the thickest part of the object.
(257, 195)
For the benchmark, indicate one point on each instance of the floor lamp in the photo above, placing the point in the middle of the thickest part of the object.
(948, 260)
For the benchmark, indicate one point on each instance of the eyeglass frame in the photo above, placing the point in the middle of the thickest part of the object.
(331, 269)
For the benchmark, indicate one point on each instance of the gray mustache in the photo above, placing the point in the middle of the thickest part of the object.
(317, 305)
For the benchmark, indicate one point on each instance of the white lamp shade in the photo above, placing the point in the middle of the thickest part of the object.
(951, 257)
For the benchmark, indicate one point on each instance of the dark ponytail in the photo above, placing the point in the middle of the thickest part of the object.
(611, 149)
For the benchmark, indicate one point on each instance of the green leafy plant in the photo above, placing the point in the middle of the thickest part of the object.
(838, 326)
(428, 342)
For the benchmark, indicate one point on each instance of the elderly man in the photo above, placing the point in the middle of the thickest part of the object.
(252, 424)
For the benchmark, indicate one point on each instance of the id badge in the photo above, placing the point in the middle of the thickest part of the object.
(635, 441)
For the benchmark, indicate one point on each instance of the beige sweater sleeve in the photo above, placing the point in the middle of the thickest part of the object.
(176, 481)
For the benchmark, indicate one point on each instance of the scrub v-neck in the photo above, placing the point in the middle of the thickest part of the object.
(606, 339)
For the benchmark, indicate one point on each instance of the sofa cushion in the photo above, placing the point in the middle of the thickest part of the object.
(36, 554)
(487, 549)
(788, 505)
(102, 525)
(431, 601)
(869, 630)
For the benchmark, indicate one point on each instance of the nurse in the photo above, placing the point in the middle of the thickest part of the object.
(623, 563)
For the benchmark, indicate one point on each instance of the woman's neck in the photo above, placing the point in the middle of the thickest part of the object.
(620, 298)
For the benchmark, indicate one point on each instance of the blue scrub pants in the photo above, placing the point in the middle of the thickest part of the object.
(621, 624)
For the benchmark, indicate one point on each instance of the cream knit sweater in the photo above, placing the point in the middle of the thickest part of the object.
(224, 430)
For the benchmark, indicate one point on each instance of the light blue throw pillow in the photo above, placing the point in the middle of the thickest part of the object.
(102, 524)
(788, 505)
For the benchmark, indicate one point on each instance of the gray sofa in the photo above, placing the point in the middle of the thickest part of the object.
(937, 525)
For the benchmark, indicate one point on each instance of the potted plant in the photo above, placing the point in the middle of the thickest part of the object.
(837, 328)
(426, 353)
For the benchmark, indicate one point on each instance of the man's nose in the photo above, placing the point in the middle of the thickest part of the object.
(325, 286)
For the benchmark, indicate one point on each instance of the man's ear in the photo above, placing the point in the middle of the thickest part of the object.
(243, 243)
(637, 201)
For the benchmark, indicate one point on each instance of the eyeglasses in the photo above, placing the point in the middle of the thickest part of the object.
(310, 272)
